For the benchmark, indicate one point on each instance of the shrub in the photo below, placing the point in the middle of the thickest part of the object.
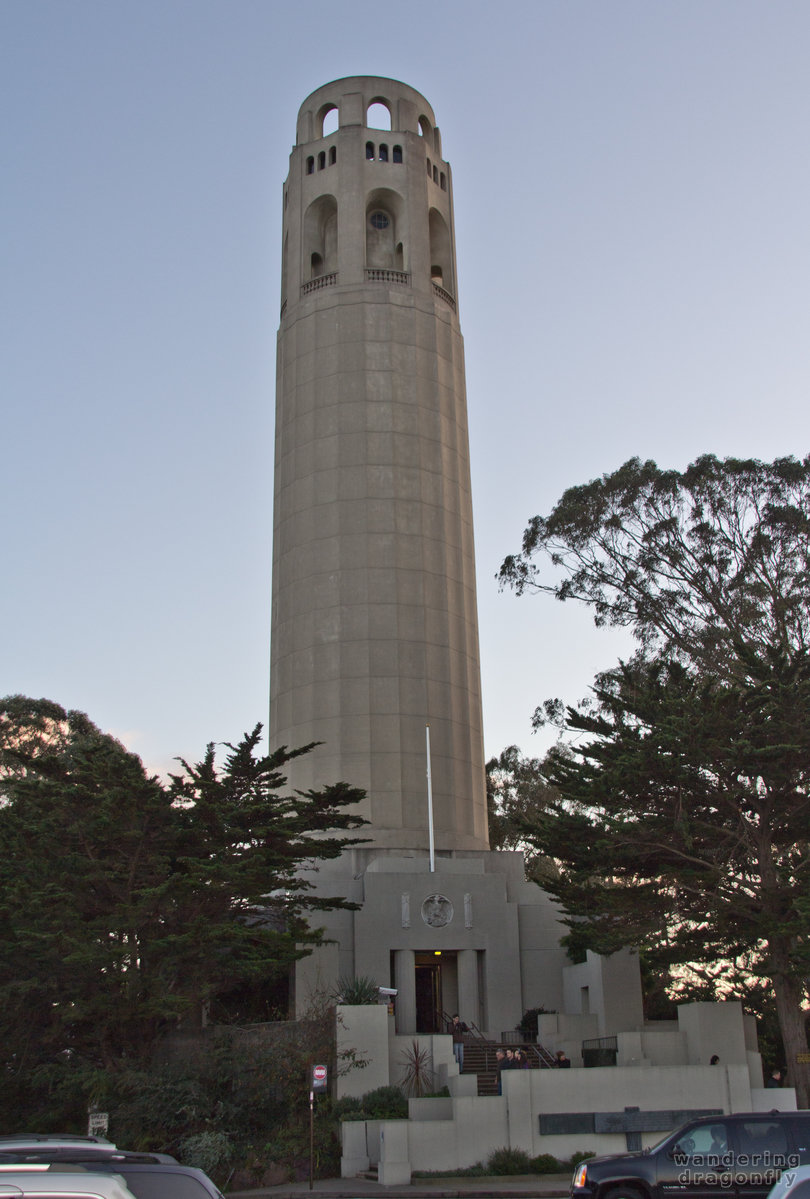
(545, 1163)
(350, 1107)
(385, 1103)
(528, 1022)
(509, 1161)
(212, 1152)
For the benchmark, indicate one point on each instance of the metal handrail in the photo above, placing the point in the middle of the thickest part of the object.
(472, 1029)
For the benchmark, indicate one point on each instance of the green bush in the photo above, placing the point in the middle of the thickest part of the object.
(212, 1152)
(386, 1103)
(348, 1108)
(545, 1163)
(476, 1171)
(528, 1022)
(509, 1161)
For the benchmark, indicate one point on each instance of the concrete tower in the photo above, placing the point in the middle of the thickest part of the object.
(374, 610)
(375, 630)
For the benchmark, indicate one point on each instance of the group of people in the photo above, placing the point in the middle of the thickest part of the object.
(511, 1059)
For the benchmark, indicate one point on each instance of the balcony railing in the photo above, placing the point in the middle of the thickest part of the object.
(382, 275)
(318, 282)
(444, 295)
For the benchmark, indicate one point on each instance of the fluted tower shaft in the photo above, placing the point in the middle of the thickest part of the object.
(374, 626)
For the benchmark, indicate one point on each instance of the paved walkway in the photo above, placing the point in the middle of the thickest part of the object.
(508, 1186)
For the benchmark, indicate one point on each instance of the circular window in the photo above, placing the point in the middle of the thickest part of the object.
(379, 220)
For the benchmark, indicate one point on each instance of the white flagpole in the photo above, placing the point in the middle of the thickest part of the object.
(430, 802)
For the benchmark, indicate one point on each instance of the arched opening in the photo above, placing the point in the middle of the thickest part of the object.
(428, 168)
(378, 115)
(310, 165)
(383, 155)
(435, 174)
(321, 160)
(397, 154)
(386, 235)
(320, 237)
(369, 150)
(380, 227)
(425, 127)
(333, 155)
(443, 181)
(441, 259)
(330, 120)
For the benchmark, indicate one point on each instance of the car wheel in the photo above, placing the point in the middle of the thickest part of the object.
(622, 1192)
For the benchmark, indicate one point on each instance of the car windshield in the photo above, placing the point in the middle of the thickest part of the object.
(660, 1144)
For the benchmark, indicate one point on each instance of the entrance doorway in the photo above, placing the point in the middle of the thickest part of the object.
(428, 993)
(436, 989)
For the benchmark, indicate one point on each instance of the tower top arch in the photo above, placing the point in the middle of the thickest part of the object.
(353, 96)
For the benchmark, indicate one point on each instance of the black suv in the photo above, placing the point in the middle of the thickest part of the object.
(738, 1156)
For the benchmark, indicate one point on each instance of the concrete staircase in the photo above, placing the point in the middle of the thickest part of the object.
(479, 1059)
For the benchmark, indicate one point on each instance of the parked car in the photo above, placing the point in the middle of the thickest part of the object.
(147, 1175)
(52, 1140)
(59, 1150)
(794, 1184)
(739, 1156)
(52, 1181)
(160, 1180)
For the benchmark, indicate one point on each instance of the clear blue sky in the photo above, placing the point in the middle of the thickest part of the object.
(632, 190)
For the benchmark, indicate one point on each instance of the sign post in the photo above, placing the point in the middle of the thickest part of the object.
(316, 1083)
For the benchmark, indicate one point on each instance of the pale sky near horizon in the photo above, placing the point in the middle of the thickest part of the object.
(632, 190)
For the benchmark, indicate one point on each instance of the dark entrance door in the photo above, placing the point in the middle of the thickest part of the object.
(428, 994)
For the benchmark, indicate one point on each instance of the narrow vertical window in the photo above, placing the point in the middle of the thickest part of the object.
(443, 182)
(321, 160)
(310, 165)
(383, 152)
(428, 168)
(369, 150)
(397, 155)
(333, 156)
(435, 174)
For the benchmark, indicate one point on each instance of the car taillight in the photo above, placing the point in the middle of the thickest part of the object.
(580, 1175)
